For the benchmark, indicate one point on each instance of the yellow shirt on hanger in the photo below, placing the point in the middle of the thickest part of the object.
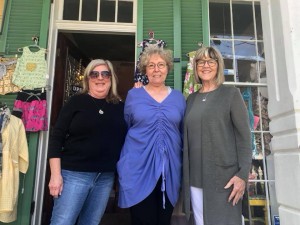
(15, 160)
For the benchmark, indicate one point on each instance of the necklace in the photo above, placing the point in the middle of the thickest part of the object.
(101, 108)
(204, 98)
(209, 90)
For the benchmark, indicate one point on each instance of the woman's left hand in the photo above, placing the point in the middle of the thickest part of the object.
(238, 189)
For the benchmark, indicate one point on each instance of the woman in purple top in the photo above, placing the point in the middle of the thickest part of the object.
(151, 159)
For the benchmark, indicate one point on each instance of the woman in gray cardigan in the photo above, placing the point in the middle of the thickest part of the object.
(217, 145)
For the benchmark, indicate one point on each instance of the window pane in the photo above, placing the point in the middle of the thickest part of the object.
(220, 24)
(89, 10)
(261, 51)
(71, 9)
(229, 71)
(107, 11)
(225, 47)
(245, 50)
(258, 21)
(125, 11)
(264, 108)
(267, 140)
(246, 71)
(243, 25)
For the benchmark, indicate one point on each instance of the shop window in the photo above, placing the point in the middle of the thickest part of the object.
(236, 30)
(120, 11)
(75, 71)
(125, 12)
(89, 10)
(71, 9)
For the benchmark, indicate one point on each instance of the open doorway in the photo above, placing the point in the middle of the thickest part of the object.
(74, 51)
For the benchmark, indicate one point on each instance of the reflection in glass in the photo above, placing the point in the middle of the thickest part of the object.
(259, 31)
(267, 139)
(71, 10)
(246, 71)
(243, 23)
(264, 112)
(107, 11)
(245, 50)
(89, 10)
(260, 49)
(125, 11)
(228, 63)
(220, 25)
(225, 47)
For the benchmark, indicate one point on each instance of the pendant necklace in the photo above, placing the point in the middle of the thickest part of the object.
(204, 98)
(101, 108)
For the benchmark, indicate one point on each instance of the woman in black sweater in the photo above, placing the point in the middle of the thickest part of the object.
(85, 146)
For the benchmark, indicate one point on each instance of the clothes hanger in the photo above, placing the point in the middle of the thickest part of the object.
(150, 39)
(189, 54)
(33, 46)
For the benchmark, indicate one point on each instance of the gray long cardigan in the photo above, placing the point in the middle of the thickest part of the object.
(217, 146)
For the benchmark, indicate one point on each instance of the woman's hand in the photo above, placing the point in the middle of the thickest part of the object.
(138, 84)
(238, 190)
(56, 185)
(56, 180)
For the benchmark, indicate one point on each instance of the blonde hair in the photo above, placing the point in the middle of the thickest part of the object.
(165, 54)
(213, 53)
(112, 95)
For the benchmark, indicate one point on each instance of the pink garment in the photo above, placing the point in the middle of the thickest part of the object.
(256, 120)
(33, 107)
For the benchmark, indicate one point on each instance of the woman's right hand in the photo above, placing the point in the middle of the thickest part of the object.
(56, 185)
(56, 180)
(138, 84)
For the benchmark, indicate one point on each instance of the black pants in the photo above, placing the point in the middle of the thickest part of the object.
(150, 211)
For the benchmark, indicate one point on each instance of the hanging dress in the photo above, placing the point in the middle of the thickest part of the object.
(31, 107)
(31, 69)
(189, 85)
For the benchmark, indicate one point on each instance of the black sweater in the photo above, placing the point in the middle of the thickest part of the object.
(86, 140)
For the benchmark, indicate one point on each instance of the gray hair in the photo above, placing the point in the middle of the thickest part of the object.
(209, 52)
(165, 54)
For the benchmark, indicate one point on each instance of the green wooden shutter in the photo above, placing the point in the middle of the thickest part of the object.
(158, 17)
(24, 23)
(193, 28)
(192, 32)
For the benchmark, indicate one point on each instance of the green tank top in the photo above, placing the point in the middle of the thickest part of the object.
(31, 69)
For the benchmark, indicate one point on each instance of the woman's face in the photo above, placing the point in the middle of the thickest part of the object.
(156, 70)
(99, 81)
(207, 69)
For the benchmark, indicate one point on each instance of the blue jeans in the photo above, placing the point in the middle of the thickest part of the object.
(84, 196)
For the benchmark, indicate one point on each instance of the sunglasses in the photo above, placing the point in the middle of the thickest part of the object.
(96, 74)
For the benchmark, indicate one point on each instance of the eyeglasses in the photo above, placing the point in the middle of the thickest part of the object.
(161, 65)
(210, 62)
(96, 74)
